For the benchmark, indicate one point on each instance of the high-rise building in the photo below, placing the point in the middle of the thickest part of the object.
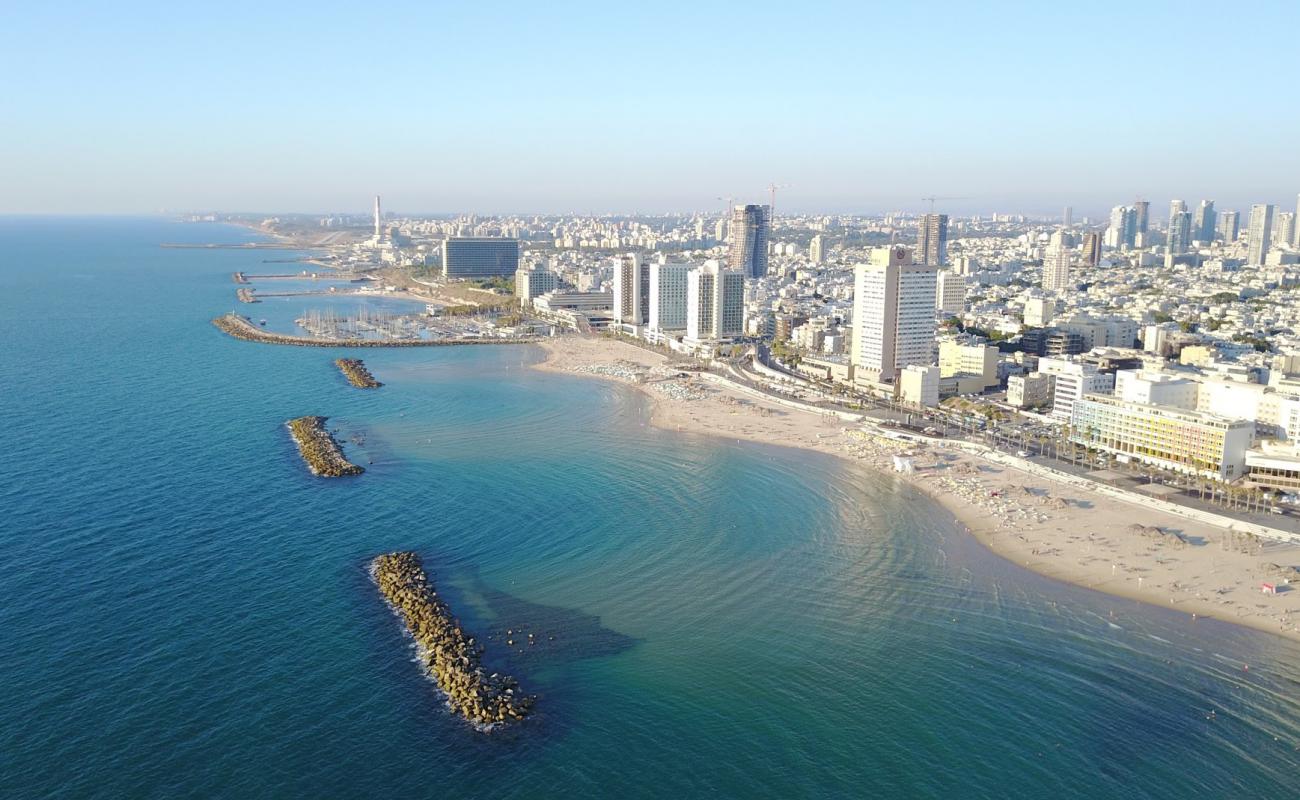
(950, 293)
(893, 313)
(1284, 229)
(1067, 218)
(378, 219)
(1123, 229)
(932, 240)
(1297, 216)
(479, 257)
(1203, 224)
(631, 290)
(1141, 216)
(1229, 226)
(715, 303)
(750, 230)
(816, 250)
(1056, 264)
(1259, 234)
(1180, 233)
(1176, 207)
(1092, 249)
(668, 296)
(720, 230)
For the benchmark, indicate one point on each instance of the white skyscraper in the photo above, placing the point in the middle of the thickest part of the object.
(715, 303)
(378, 219)
(668, 296)
(1056, 264)
(816, 250)
(1260, 233)
(1284, 229)
(631, 290)
(893, 313)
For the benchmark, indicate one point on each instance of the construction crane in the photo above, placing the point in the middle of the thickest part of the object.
(932, 199)
(771, 188)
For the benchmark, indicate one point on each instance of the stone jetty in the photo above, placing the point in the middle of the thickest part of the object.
(241, 328)
(448, 652)
(319, 449)
(354, 369)
(246, 295)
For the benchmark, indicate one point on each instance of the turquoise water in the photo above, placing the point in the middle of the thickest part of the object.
(184, 611)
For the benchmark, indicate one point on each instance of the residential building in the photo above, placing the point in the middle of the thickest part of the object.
(817, 249)
(950, 293)
(1056, 265)
(893, 313)
(1260, 234)
(1052, 342)
(479, 257)
(1229, 226)
(1203, 225)
(1177, 439)
(631, 291)
(932, 240)
(1092, 249)
(1180, 233)
(919, 386)
(750, 231)
(957, 359)
(1155, 389)
(1284, 229)
(1039, 311)
(1029, 391)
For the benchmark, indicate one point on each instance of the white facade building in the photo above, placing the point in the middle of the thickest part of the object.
(668, 296)
(715, 303)
(950, 293)
(1071, 380)
(893, 313)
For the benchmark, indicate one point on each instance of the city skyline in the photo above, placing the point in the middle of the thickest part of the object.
(632, 111)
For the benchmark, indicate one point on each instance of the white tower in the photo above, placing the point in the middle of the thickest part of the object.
(378, 218)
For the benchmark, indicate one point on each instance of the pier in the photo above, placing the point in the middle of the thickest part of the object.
(319, 448)
(246, 295)
(241, 328)
(448, 653)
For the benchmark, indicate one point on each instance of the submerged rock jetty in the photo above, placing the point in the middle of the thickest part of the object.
(450, 655)
(354, 369)
(242, 328)
(319, 449)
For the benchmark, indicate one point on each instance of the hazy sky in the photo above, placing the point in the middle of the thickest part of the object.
(488, 107)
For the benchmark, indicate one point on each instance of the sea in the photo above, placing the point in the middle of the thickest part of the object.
(185, 611)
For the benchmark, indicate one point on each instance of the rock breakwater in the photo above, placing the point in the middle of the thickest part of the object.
(354, 369)
(319, 449)
(447, 651)
(241, 328)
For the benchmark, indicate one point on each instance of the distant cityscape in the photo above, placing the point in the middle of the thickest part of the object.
(1170, 343)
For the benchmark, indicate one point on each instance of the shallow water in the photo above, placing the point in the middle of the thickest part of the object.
(185, 610)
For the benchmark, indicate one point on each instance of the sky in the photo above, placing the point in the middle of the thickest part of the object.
(560, 107)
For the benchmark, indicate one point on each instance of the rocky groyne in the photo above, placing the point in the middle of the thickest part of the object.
(241, 328)
(447, 651)
(319, 449)
(354, 369)
(246, 295)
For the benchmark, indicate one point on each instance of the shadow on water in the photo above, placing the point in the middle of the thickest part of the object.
(535, 643)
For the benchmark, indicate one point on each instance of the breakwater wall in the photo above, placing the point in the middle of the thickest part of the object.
(451, 656)
(319, 449)
(246, 295)
(240, 328)
(354, 369)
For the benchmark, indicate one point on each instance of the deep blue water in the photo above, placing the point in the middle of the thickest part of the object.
(184, 610)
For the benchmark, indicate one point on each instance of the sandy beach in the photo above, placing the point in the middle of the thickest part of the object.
(1063, 531)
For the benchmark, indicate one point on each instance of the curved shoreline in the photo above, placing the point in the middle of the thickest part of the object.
(448, 653)
(1084, 543)
(240, 328)
(319, 449)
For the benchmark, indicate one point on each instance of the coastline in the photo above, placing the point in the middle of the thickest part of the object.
(1061, 531)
